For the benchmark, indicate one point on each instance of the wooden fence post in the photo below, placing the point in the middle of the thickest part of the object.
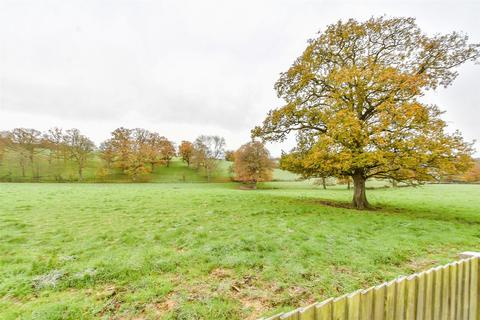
(476, 278)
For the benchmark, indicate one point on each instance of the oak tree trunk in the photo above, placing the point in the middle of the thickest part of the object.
(22, 164)
(324, 183)
(359, 196)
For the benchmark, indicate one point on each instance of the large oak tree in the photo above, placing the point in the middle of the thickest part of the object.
(352, 98)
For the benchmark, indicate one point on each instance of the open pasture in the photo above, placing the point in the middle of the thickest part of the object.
(212, 251)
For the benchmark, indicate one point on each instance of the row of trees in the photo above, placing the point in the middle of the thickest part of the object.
(134, 152)
(251, 162)
(204, 153)
(473, 175)
(55, 145)
(137, 152)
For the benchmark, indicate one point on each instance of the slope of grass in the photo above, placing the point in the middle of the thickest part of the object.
(212, 251)
(177, 171)
(67, 171)
(44, 170)
(283, 175)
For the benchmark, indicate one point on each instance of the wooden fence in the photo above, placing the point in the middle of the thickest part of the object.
(449, 292)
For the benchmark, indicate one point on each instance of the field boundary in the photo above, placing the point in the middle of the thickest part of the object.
(448, 292)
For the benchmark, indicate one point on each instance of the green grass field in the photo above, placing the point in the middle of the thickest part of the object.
(212, 251)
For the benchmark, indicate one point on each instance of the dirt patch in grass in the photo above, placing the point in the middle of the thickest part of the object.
(341, 204)
(348, 205)
(221, 273)
(247, 187)
(421, 264)
(163, 307)
(335, 204)
(257, 296)
(254, 295)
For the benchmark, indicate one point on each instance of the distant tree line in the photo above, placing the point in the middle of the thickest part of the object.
(471, 176)
(57, 147)
(136, 152)
(65, 155)
(31, 155)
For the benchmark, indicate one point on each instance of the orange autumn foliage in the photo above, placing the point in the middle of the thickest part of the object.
(352, 98)
(252, 163)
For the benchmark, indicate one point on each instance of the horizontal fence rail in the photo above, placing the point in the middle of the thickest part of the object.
(449, 292)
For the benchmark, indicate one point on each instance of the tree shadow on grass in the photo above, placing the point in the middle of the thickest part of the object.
(431, 212)
(386, 209)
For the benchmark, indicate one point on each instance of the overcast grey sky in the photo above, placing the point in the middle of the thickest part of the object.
(185, 68)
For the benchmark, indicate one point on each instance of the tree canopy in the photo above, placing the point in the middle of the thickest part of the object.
(80, 148)
(185, 150)
(207, 151)
(252, 163)
(132, 149)
(353, 100)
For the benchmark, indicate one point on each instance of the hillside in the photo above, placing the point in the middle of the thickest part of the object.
(66, 171)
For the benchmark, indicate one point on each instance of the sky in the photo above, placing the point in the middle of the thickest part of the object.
(185, 68)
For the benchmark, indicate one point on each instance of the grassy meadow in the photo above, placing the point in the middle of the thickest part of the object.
(213, 251)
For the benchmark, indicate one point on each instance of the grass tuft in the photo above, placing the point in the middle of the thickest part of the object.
(212, 251)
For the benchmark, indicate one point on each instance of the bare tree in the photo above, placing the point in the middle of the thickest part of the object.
(208, 150)
(4, 143)
(80, 148)
(54, 141)
(26, 143)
